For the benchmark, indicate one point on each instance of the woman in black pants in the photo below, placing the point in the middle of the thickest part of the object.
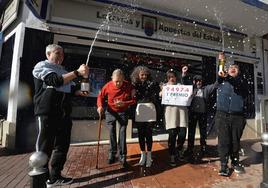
(176, 121)
(145, 114)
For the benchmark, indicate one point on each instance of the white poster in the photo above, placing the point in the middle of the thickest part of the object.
(96, 81)
(178, 95)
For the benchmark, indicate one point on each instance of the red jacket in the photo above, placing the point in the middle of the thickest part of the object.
(113, 93)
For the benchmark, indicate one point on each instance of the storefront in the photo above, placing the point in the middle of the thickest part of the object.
(128, 36)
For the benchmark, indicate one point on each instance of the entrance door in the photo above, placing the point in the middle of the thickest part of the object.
(103, 61)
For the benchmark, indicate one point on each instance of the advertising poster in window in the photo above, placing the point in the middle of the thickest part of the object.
(96, 81)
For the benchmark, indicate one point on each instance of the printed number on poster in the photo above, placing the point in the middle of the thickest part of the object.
(178, 95)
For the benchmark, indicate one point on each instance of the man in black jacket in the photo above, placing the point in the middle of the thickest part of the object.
(229, 119)
(52, 107)
(198, 113)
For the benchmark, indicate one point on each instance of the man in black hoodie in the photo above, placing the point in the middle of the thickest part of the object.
(198, 113)
(229, 119)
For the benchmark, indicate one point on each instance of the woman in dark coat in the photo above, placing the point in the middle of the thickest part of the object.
(145, 113)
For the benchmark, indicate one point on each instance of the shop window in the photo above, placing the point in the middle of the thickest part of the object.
(247, 73)
(5, 72)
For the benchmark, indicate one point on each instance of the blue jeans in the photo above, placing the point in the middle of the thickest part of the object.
(122, 118)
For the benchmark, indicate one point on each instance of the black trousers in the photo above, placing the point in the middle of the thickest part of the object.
(54, 134)
(230, 129)
(201, 118)
(145, 134)
(179, 132)
(122, 118)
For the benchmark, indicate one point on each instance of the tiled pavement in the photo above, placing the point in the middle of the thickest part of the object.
(82, 161)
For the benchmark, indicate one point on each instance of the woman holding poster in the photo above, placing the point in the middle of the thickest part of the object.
(145, 115)
(176, 118)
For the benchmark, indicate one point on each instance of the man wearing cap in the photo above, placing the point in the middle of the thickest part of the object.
(229, 119)
(198, 113)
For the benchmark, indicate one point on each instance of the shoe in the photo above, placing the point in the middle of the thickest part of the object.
(149, 160)
(238, 168)
(143, 158)
(59, 182)
(181, 155)
(224, 171)
(188, 152)
(111, 159)
(123, 161)
(203, 149)
(172, 161)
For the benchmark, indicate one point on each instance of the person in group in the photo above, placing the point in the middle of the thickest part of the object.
(229, 119)
(120, 94)
(52, 108)
(176, 121)
(145, 113)
(198, 113)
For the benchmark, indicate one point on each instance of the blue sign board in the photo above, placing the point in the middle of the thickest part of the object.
(262, 4)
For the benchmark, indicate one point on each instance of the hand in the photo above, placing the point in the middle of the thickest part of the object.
(184, 69)
(119, 103)
(161, 85)
(100, 110)
(222, 74)
(83, 70)
(82, 93)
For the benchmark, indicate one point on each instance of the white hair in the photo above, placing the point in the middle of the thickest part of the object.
(52, 47)
(118, 72)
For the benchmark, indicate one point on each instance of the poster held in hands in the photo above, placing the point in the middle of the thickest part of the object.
(177, 95)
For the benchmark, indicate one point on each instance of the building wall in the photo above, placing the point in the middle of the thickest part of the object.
(134, 30)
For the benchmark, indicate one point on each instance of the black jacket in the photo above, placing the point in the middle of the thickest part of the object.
(207, 91)
(49, 101)
(230, 95)
(146, 91)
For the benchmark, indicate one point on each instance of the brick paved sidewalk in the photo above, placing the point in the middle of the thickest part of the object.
(82, 160)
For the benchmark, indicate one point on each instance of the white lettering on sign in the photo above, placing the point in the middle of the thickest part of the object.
(118, 19)
(190, 33)
(178, 95)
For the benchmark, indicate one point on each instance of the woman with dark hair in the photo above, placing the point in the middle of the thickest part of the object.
(145, 114)
(176, 120)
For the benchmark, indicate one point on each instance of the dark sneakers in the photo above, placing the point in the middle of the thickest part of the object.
(181, 155)
(59, 182)
(172, 161)
(203, 149)
(111, 159)
(123, 161)
(238, 168)
(189, 152)
(224, 171)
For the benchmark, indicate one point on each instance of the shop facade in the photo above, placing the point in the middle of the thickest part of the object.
(127, 36)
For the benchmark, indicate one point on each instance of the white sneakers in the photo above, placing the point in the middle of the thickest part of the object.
(146, 159)
(143, 158)
(149, 160)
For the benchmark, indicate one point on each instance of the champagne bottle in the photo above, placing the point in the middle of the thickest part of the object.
(221, 61)
(85, 84)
